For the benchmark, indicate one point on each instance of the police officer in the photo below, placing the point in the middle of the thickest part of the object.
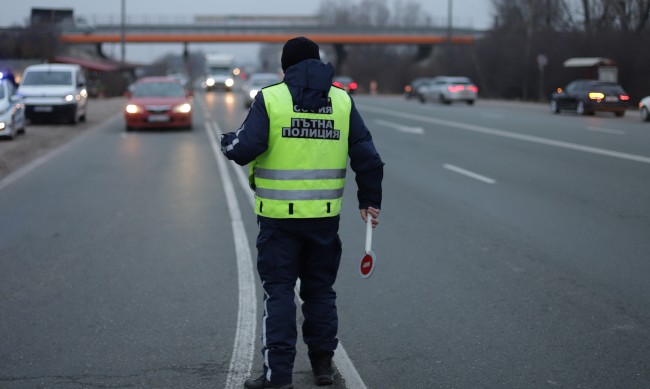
(297, 138)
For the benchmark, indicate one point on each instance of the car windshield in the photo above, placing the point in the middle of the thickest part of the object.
(158, 89)
(610, 88)
(343, 80)
(264, 81)
(52, 77)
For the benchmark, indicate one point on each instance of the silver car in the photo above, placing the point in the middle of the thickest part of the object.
(445, 89)
(644, 108)
(255, 83)
(12, 111)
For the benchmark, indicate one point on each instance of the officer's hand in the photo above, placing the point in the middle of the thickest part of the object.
(374, 212)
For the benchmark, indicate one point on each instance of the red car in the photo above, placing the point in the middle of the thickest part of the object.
(156, 102)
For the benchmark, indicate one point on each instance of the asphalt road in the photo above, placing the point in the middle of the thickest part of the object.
(513, 252)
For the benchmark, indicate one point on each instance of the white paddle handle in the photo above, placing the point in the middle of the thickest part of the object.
(369, 233)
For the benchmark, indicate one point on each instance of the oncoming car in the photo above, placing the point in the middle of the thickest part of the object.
(446, 90)
(588, 96)
(255, 83)
(644, 108)
(157, 102)
(54, 90)
(12, 111)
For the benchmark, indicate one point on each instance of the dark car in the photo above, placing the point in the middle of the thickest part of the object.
(588, 96)
(412, 90)
(346, 83)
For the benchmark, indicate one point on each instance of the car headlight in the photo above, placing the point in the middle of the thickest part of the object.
(69, 98)
(2, 126)
(132, 108)
(229, 82)
(253, 93)
(209, 82)
(183, 108)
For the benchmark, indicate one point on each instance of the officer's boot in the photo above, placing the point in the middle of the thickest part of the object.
(262, 383)
(321, 366)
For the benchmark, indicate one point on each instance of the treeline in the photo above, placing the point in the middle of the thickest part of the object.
(504, 62)
(28, 43)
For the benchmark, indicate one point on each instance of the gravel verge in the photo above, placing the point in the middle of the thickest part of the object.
(41, 138)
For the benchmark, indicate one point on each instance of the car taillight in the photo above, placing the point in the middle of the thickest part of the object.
(353, 86)
(337, 84)
(455, 88)
(473, 88)
(596, 95)
(407, 88)
(624, 97)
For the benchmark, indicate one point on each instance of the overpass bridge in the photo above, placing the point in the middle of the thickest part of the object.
(261, 29)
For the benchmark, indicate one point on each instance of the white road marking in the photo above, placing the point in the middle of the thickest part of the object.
(401, 127)
(605, 130)
(244, 344)
(467, 173)
(508, 134)
(343, 363)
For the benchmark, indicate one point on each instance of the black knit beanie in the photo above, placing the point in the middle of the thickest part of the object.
(297, 50)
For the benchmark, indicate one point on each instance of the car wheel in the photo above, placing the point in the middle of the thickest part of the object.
(619, 114)
(12, 133)
(423, 99)
(645, 114)
(470, 102)
(580, 109)
(554, 107)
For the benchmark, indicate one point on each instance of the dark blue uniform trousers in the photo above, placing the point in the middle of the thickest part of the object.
(288, 249)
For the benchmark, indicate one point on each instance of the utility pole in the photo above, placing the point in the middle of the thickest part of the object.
(122, 31)
(449, 20)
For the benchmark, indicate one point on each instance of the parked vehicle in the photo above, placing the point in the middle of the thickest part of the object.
(12, 111)
(412, 90)
(644, 108)
(446, 89)
(158, 102)
(346, 83)
(588, 96)
(54, 90)
(255, 83)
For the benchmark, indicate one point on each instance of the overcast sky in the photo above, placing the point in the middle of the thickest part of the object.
(474, 13)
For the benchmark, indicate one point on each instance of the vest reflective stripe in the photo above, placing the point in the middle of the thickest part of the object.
(278, 194)
(302, 172)
(322, 174)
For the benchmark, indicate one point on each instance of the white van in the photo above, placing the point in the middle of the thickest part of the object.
(54, 90)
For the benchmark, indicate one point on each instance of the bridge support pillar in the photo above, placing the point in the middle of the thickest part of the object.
(341, 53)
(424, 52)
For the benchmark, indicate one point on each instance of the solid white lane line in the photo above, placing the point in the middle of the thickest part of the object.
(467, 173)
(508, 134)
(605, 130)
(400, 127)
(343, 363)
(244, 344)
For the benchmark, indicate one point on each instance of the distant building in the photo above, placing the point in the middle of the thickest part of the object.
(52, 17)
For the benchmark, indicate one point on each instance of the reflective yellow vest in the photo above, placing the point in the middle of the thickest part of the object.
(302, 173)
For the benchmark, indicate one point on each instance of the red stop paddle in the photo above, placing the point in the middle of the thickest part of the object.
(369, 260)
